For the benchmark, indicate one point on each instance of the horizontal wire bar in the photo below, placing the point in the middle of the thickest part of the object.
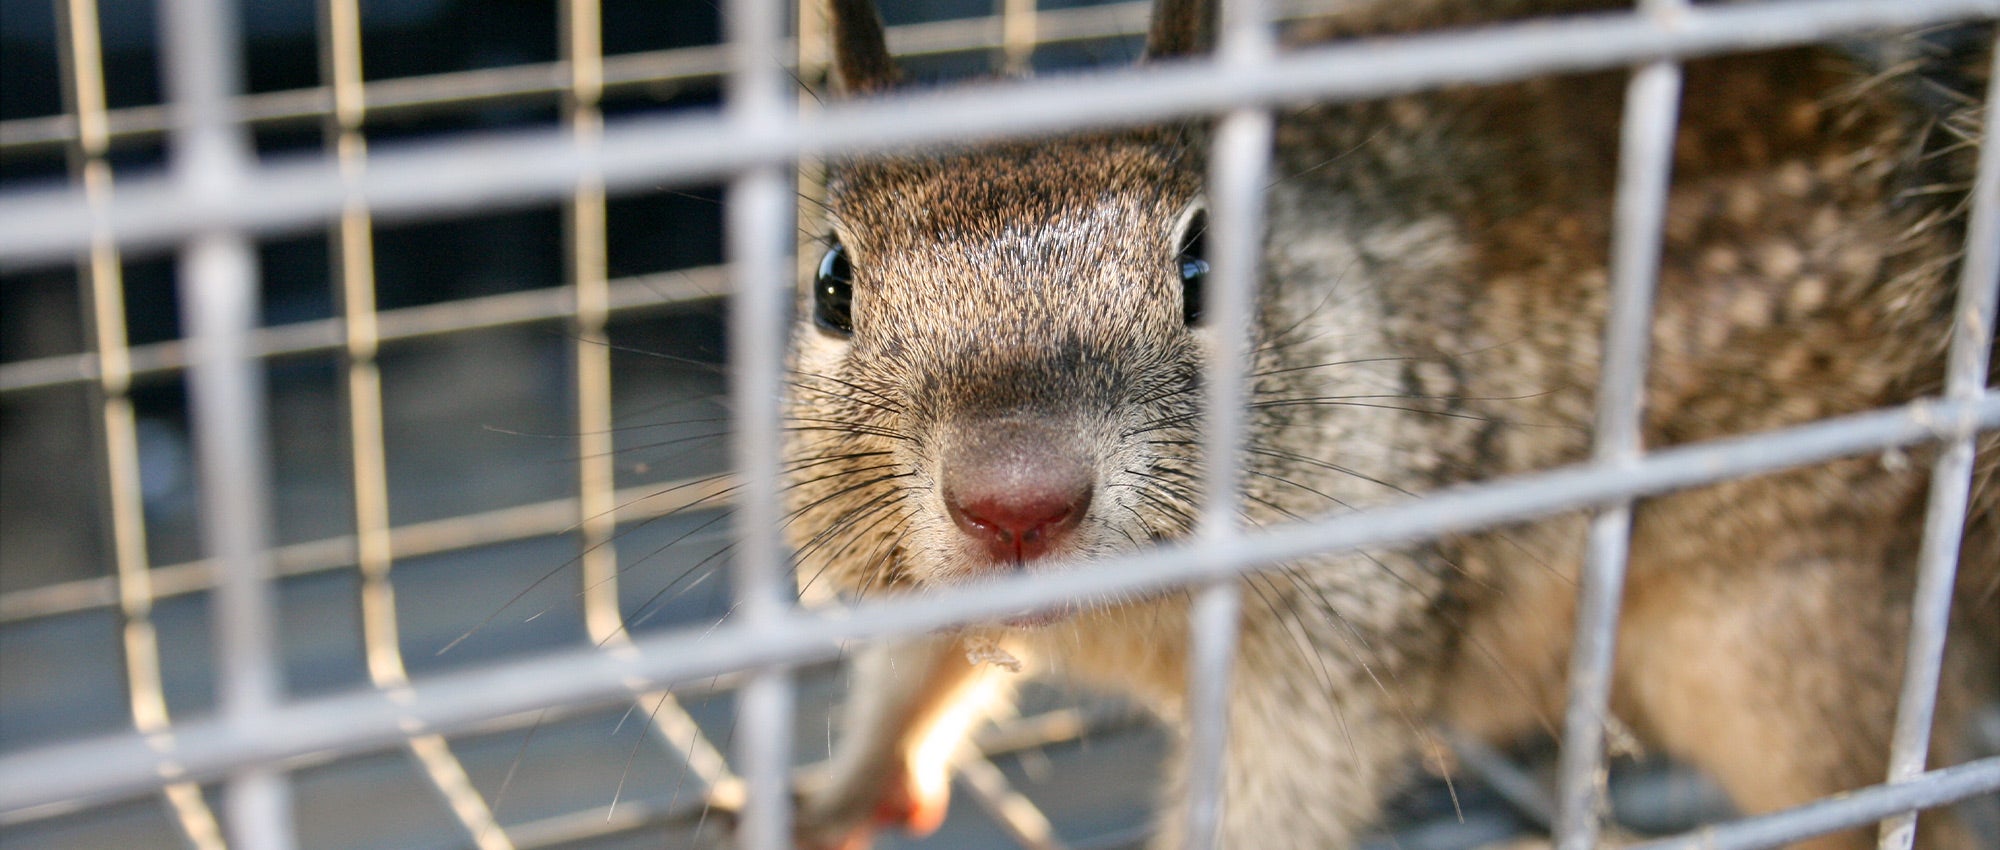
(1844, 811)
(1027, 733)
(700, 64)
(697, 64)
(404, 96)
(631, 294)
(486, 171)
(123, 764)
(522, 522)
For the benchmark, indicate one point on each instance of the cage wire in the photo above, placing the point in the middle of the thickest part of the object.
(353, 393)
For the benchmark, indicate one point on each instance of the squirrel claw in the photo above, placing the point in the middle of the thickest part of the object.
(905, 805)
(911, 808)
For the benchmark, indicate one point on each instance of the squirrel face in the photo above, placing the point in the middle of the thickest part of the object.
(1007, 371)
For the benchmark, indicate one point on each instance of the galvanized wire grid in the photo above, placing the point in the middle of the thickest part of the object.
(216, 196)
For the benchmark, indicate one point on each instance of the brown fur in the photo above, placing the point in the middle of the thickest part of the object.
(1435, 290)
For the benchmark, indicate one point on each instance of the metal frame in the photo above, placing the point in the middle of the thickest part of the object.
(216, 196)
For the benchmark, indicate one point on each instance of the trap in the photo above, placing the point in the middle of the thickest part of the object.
(367, 412)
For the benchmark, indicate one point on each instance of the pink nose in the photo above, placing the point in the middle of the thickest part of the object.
(1020, 526)
(1016, 487)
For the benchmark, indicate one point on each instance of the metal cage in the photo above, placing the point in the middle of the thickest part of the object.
(208, 181)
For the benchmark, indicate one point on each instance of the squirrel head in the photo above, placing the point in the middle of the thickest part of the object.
(998, 362)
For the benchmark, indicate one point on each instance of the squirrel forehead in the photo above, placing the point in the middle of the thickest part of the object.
(992, 193)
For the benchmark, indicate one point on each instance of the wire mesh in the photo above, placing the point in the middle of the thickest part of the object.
(216, 197)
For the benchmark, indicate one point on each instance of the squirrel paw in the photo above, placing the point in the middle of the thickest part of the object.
(847, 818)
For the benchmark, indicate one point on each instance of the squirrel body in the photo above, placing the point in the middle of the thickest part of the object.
(1018, 372)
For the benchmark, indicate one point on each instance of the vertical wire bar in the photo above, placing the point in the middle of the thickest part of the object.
(814, 58)
(757, 320)
(101, 279)
(218, 290)
(596, 497)
(1951, 478)
(760, 218)
(1645, 161)
(1238, 166)
(597, 500)
(220, 302)
(353, 254)
(353, 257)
(1214, 623)
(1016, 815)
(1018, 25)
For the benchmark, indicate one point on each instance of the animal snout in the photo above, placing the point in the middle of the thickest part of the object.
(1016, 490)
(1019, 526)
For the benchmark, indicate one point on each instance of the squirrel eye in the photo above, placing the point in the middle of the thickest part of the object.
(833, 292)
(1193, 262)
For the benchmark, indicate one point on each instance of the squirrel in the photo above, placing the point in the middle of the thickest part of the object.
(997, 369)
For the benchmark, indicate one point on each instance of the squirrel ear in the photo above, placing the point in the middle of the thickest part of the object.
(1181, 28)
(860, 51)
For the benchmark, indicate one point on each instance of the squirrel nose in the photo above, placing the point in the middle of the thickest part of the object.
(1015, 491)
(1020, 526)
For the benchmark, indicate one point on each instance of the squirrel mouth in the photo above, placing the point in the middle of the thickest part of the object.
(1030, 619)
(1038, 619)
